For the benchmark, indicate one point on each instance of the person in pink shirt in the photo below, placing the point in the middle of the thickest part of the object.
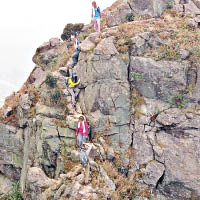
(82, 131)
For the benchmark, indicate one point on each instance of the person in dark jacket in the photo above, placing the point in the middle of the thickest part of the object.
(75, 56)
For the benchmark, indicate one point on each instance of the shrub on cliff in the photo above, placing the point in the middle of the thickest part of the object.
(15, 194)
(51, 81)
(71, 29)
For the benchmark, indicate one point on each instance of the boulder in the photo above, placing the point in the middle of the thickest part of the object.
(153, 173)
(5, 185)
(117, 13)
(87, 45)
(39, 76)
(157, 80)
(54, 42)
(75, 156)
(38, 178)
(50, 112)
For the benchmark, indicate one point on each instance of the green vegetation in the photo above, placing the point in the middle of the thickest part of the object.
(69, 44)
(195, 51)
(51, 81)
(130, 17)
(54, 60)
(137, 75)
(168, 53)
(15, 194)
(178, 100)
(55, 97)
(170, 5)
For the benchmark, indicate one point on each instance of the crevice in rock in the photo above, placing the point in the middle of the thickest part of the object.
(191, 75)
(160, 181)
(176, 131)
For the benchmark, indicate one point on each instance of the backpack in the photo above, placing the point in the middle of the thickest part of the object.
(98, 10)
(83, 158)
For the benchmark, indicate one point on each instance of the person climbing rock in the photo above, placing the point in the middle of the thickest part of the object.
(82, 131)
(96, 16)
(72, 84)
(75, 56)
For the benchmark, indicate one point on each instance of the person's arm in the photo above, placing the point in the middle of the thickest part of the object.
(92, 13)
(75, 84)
(86, 128)
(77, 130)
(100, 13)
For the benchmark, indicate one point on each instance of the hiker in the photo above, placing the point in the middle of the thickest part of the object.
(96, 16)
(82, 131)
(72, 83)
(75, 56)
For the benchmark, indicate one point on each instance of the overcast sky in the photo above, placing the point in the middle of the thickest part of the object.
(25, 25)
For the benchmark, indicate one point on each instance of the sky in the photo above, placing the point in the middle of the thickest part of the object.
(25, 25)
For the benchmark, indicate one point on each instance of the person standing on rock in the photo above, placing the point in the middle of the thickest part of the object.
(82, 131)
(72, 83)
(96, 16)
(75, 56)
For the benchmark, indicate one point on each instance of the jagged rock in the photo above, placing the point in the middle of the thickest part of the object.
(192, 7)
(63, 71)
(46, 52)
(143, 149)
(75, 156)
(66, 132)
(153, 173)
(5, 185)
(108, 182)
(94, 37)
(106, 47)
(74, 172)
(184, 54)
(39, 76)
(37, 177)
(49, 111)
(54, 42)
(25, 102)
(87, 45)
(110, 154)
(117, 15)
(178, 150)
(151, 83)
(59, 192)
(171, 117)
(192, 23)
(60, 80)
(6, 111)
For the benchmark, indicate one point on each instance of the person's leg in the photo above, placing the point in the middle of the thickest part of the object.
(83, 139)
(76, 91)
(75, 58)
(71, 91)
(79, 140)
(95, 25)
(99, 25)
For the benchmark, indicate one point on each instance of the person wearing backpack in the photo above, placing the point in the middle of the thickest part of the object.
(72, 83)
(96, 16)
(82, 131)
(75, 56)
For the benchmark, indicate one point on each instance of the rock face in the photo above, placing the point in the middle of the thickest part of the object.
(117, 15)
(140, 93)
(105, 100)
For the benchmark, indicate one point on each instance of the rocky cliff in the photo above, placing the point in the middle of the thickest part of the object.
(140, 81)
